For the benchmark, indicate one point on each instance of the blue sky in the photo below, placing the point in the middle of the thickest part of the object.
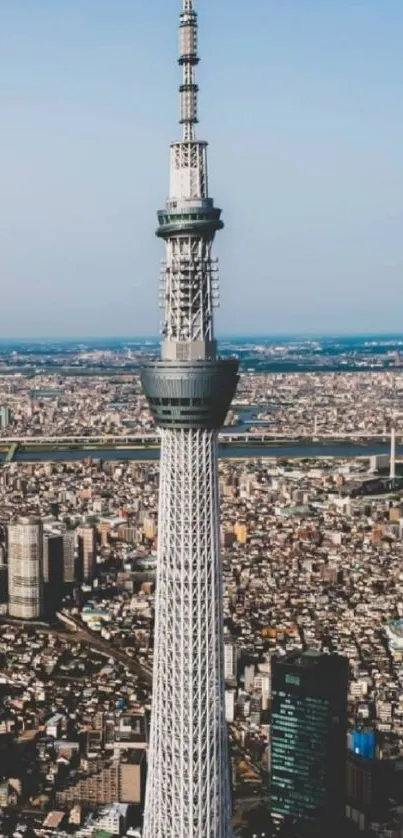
(301, 101)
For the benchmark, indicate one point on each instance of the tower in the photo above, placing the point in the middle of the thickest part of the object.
(25, 574)
(309, 739)
(189, 390)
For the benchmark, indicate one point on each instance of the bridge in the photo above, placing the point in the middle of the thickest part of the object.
(12, 452)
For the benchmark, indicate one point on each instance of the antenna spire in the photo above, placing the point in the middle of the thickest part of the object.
(188, 59)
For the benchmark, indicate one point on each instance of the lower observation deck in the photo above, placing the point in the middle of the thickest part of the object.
(190, 394)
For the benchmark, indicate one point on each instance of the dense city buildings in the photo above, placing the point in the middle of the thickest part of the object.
(312, 550)
(25, 569)
(309, 739)
(307, 563)
(73, 734)
(322, 406)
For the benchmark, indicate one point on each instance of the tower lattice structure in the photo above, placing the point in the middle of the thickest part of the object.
(189, 390)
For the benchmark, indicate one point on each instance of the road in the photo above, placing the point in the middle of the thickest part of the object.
(98, 644)
(144, 673)
(106, 647)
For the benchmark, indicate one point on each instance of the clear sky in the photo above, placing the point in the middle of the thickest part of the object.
(302, 103)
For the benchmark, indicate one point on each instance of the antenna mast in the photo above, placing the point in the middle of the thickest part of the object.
(188, 59)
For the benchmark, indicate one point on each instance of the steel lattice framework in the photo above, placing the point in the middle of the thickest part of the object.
(188, 791)
(189, 392)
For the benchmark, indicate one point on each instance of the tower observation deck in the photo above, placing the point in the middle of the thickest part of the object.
(189, 390)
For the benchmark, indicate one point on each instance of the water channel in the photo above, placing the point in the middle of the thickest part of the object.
(284, 450)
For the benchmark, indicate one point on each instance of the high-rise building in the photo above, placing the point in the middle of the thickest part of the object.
(86, 552)
(189, 390)
(230, 705)
(52, 570)
(6, 417)
(309, 738)
(3, 583)
(230, 660)
(69, 561)
(25, 572)
(53, 558)
(375, 791)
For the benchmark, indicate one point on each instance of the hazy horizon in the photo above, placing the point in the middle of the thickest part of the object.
(301, 103)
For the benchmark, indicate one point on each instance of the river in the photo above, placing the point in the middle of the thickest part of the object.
(339, 450)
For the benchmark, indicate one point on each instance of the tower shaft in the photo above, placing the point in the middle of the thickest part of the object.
(188, 787)
(189, 390)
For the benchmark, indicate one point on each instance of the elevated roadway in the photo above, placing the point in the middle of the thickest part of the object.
(79, 632)
(76, 632)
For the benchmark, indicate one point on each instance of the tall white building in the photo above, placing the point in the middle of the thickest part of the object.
(230, 706)
(25, 571)
(230, 660)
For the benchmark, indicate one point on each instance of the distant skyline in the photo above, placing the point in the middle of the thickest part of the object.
(301, 103)
(281, 337)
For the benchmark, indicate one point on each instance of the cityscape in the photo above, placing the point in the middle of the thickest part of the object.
(201, 563)
(310, 562)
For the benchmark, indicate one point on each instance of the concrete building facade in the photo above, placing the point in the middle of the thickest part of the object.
(25, 569)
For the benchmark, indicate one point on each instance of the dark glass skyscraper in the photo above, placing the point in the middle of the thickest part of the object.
(308, 738)
(52, 571)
